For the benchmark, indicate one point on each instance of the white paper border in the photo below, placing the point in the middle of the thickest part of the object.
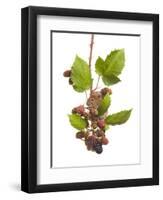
(47, 175)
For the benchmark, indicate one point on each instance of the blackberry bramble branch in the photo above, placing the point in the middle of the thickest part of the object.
(91, 119)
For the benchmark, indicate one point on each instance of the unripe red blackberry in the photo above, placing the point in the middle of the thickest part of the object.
(91, 102)
(94, 125)
(86, 135)
(104, 141)
(80, 110)
(96, 95)
(90, 140)
(73, 111)
(94, 100)
(86, 115)
(67, 73)
(110, 91)
(106, 90)
(100, 133)
(101, 123)
(80, 135)
(93, 111)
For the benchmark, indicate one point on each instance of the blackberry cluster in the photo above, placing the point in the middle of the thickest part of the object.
(93, 144)
(94, 135)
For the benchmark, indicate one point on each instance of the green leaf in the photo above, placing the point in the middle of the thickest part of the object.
(106, 127)
(100, 66)
(80, 75)
(104, 105)
(115, 62)
(77, 89)
(78, 122)
(110, 80)
(112, 67)
(118, 118)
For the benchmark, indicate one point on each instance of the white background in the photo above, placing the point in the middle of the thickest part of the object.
(10, 100)
(125, 96)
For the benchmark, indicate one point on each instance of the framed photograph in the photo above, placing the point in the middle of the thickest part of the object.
(90, 99)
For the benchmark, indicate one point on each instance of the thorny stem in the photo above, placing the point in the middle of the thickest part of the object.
(90, 55)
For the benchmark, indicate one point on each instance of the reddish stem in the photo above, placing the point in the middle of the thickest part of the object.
(90, 55)
(97, 83)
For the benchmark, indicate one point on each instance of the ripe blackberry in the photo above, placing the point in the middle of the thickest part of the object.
(98, 147)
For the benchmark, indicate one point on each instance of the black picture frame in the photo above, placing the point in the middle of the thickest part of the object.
(29, 99)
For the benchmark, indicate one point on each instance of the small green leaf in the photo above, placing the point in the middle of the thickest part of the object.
(104, 105)
(115, 62)
(80, 75)
(78, 122)
(110, 80)
(118, 118)
(106, 127)
(100, 66)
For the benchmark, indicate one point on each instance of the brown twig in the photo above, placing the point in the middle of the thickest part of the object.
(90, 55)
